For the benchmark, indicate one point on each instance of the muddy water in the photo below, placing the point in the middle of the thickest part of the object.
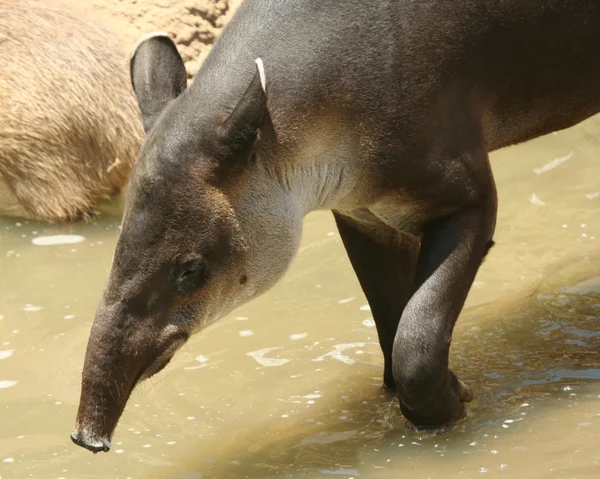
(290, 385)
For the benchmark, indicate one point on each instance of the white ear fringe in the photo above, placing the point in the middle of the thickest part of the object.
(145, 37)
(261, 73)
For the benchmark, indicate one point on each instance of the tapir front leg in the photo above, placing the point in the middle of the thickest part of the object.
(452, 249)
(384, 261)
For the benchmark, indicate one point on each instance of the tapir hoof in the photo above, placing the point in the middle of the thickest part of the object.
(465, 394)
(443, 410)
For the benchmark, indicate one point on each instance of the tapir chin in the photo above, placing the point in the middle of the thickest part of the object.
(384, 113)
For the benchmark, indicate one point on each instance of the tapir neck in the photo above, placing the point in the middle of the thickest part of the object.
(270, 205)
(322, 184)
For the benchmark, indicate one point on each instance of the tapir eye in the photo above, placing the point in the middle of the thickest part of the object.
(193, 275)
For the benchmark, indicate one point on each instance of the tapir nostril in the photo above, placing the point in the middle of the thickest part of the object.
(95, 445)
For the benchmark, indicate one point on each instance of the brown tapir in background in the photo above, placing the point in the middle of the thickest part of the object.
(383, 112)
(70, 126)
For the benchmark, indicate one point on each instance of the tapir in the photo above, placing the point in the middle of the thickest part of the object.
(382, 112)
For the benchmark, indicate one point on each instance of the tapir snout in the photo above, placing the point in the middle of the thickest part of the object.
(119, 355)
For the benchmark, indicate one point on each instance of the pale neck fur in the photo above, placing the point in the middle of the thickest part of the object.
(270, 208)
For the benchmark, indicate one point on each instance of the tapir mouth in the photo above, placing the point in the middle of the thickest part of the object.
(165, 358)
(104, 395)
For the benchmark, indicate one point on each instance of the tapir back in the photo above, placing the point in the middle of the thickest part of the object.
(70, 126)
(402, 65)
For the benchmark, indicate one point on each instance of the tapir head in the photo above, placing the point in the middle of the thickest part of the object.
(202, 231)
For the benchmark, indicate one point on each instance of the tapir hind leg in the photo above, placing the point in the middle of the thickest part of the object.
(384, 261)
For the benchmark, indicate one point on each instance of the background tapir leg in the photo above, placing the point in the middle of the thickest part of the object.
(384, 262)
(452, 249)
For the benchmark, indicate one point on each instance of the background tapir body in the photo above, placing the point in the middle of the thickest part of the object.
(382, 112)
(70, 127)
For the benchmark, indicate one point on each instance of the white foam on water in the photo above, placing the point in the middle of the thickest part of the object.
(346, 300)
(5, 384)
(594, 195)
(340, 472)
(31, 308)
(259, 357)
(552, 164)
(536, 200)
(192, 368)
(201, 359)
(54, 240)
(338, 349)
(69, 316)
(369, 322)
(6, 353)
(246, 332)
(9, 459)
(312, 396)
(241, 318)
(1, 317)
(365, 307)
(295, 337)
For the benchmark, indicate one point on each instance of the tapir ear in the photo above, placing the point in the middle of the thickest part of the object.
(241, 127)
(157, 75)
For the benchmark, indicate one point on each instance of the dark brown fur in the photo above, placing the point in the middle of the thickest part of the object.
(70, 127)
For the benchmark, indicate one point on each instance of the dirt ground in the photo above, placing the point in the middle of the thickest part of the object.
(193, 24)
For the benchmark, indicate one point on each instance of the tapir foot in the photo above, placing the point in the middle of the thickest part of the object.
(388, 378)
(443, 410)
